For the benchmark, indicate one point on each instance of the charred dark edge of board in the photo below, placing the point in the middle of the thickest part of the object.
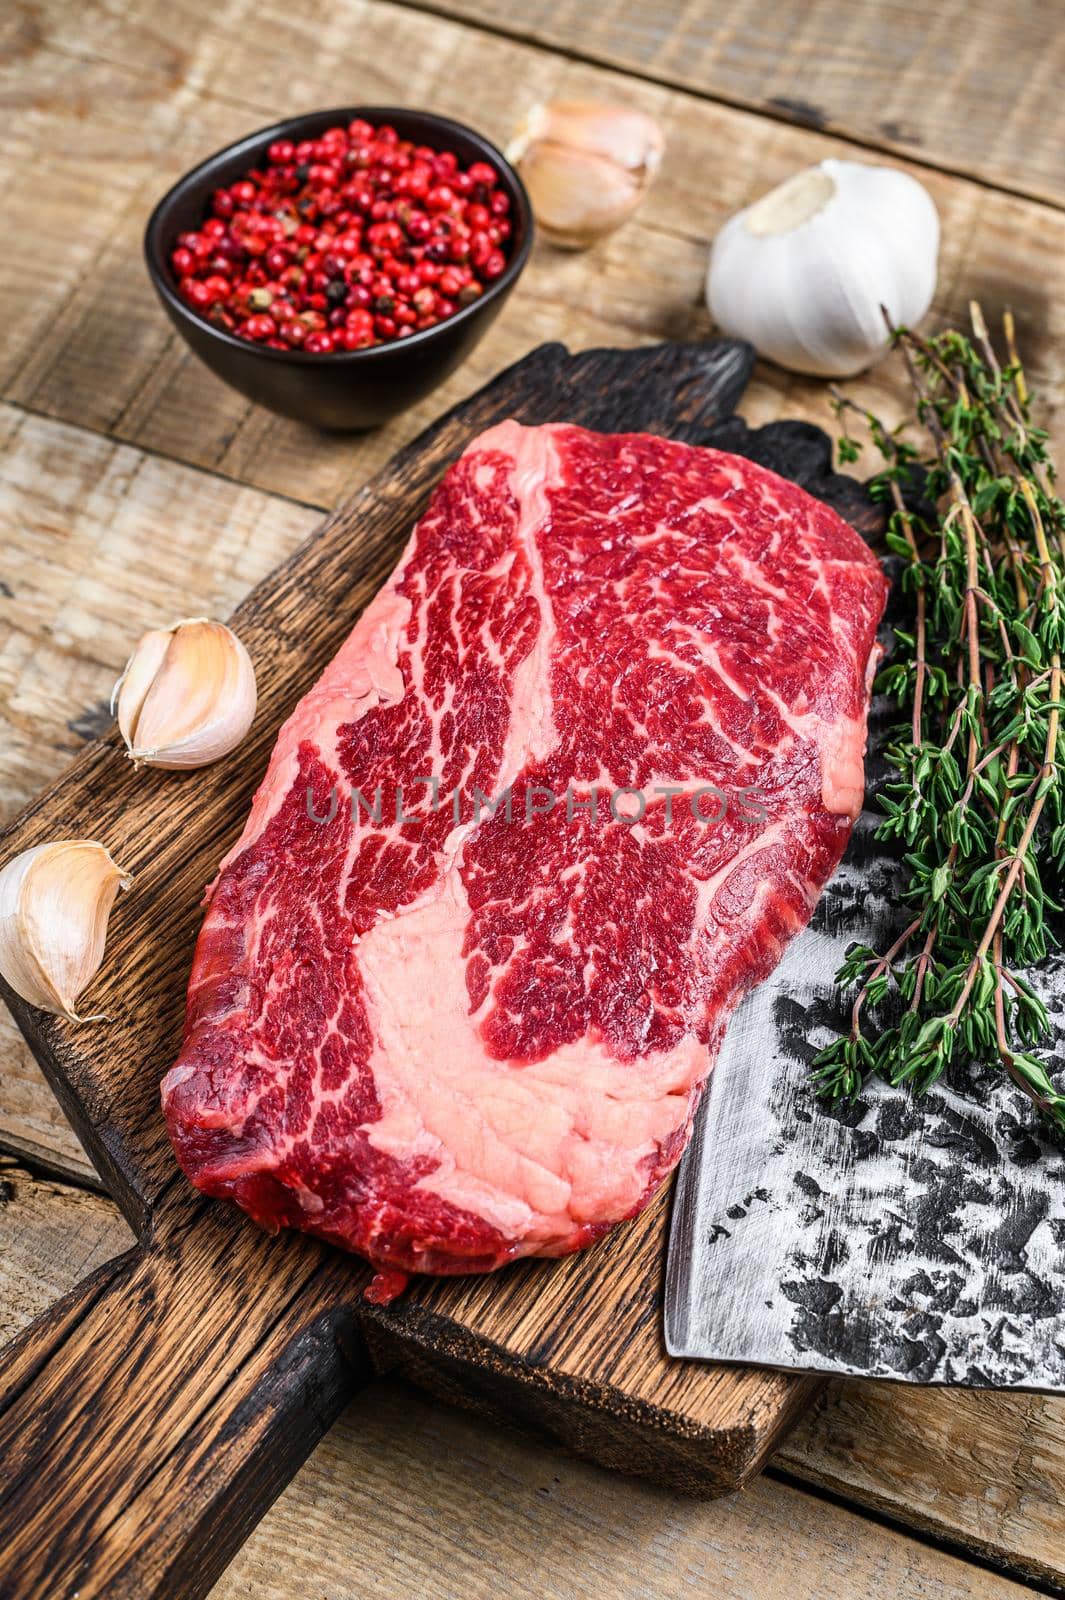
(595, 1421)
(665, 388)
(86, 1508)
(217, 1484)
(682, 391)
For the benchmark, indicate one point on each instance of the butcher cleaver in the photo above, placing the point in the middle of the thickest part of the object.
(916, 1239)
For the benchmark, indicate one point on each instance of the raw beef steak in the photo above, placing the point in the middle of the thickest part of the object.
(445, 1035)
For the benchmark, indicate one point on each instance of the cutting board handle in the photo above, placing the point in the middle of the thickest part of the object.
(150, 1416)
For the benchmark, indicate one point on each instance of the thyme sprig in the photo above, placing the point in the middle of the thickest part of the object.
(975, 790)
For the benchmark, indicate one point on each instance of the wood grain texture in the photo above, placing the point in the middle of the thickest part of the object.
(103, 103)
(971, 88)
(99, 541)
(124, 100)
(150, 1416)
(980, 1469)
(193, 1337)
(292, 626)
(386, 1502)
(406, 1497)
(248, 1360)
(574, 1350)
(409, 1500)
(104, 107)
(986, 1471)
(51, 1236)
(32, 1125)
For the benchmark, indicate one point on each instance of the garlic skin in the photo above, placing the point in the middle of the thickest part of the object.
(55, 901)
(187, 696)
(586, 167)
(803, 273)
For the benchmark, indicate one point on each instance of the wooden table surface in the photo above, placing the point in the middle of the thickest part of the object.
(135, 488)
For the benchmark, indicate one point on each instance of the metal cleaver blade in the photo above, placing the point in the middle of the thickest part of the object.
(915, 1239)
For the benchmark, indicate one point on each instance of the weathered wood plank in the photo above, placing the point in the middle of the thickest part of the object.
(99, 542)
(296, 465)
(574, 1349)
(984, 1470)
(981, 1470)
(707, 1426)
(331, 584)
(96, 346)
(149, 1416)
(51, 1236)
(406, 1497)
(31, 1123)
(384, 1502)
(97, 350)
(969, 88)
(213, 1334)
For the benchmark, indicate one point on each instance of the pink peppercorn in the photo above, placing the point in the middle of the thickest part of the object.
(351, 239)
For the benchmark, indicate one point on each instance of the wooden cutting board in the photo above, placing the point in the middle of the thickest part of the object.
(147, 1421)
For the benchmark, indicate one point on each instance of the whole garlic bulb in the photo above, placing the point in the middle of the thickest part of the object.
(803, 273)
(586, 166)
(55, 901)
(187, 695)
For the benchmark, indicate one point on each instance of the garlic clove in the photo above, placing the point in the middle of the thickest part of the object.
(577, 198)
(131, 690)
(55, 901)
(187, 696)
(803, 273)
(586, 166)
(621, 134)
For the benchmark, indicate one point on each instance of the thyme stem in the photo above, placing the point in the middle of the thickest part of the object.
(981, 672)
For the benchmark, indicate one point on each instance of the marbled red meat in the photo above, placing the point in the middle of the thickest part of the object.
(444, 1036)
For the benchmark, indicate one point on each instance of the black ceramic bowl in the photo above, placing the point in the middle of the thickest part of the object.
(350, 389)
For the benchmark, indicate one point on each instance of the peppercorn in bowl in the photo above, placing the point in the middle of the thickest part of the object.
(337, 266)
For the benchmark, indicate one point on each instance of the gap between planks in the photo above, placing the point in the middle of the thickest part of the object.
(78, 359)
(790, 112)
(157, 453)
(787, 113)
(546, 1509)
(999, 1565)
(989, 1448)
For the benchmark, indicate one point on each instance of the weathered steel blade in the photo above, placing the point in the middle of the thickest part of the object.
(922, 1240)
